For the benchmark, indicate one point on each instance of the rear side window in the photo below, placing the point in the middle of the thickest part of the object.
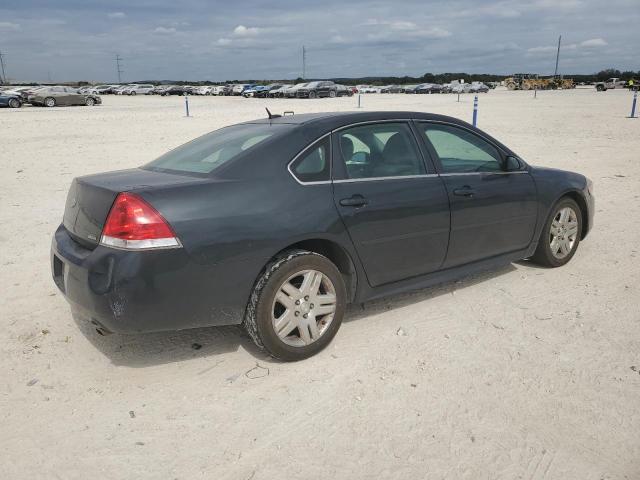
(209, 152)
(313, 164)
(379, 150)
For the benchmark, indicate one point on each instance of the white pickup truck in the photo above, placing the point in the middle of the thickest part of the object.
(610, 84)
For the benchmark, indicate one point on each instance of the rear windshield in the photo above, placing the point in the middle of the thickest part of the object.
(207, 153)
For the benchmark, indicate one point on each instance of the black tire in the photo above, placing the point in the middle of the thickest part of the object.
(543, 254)
(14, 103)
(332, 94)
(258, 316)
(600, 88)
(312, 94)
(89, 102)
(49, 102)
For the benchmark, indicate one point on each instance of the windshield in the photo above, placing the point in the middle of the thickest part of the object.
(207, 153)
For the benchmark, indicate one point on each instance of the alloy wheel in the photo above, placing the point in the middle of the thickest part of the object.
(303, 308)
(563, 232)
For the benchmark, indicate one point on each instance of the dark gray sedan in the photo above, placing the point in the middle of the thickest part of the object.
(277, 224)
(62, 96)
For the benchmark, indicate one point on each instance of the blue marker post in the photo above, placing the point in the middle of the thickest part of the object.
(186, 103)
(475, 110)
(633, 105)
(358, 100)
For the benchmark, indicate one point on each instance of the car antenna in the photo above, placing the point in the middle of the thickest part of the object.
(271, 115)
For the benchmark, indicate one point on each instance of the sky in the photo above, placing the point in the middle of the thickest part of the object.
(70, 40)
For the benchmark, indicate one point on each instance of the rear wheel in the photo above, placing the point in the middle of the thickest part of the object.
(297, 305)
(14, 103)
(600, 88)
(49, 102)
(560, 237)
(89, 102)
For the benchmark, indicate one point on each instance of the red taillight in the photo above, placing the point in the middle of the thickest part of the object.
(134, 224)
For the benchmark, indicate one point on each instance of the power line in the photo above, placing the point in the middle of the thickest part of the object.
(3, 78)
(119, 68)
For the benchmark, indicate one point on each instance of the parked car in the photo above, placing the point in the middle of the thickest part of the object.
(10, 100)
(460, 87)
(221, 90)
(293, 91)
(478, 87)
(392, 89)
(610, 84)
(428, 88)
(239, 88)
(218, 231)
(101, 89)
(62, 96)
(318, 89)
(173, 90)
(279, 92)
(368, 89)
(138, 89)
(343, 91)
(260, 91)
(409, 89)
(204, 90)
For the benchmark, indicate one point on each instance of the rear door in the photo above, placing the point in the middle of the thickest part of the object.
(394, 206)
(493, 211)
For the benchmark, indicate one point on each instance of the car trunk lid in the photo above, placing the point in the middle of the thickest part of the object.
(90, 198)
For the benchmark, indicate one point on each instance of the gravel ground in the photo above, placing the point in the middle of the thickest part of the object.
(521, 372)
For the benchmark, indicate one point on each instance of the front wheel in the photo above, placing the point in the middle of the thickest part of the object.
(14, 103)
(332, 94)
(561, 235)
(312, 94)
(89, 102)
(49, 102)
(296, 306)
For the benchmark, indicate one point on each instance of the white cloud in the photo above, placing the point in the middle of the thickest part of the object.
(165, 30)
(116, 15)
(431, 32)
(10, 26)
(594, 42)
(337, 39)
(242, 31)
(403, 25)
(224, 41)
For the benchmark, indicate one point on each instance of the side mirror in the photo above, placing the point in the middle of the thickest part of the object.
(513, 164)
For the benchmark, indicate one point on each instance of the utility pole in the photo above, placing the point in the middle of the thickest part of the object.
(3, 78)
(555, 74)
(304, 62)
(118, 66)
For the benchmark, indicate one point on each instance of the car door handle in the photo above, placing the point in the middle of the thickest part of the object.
(354, 201)
(465, 191)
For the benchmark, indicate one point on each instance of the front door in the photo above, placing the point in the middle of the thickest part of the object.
(395, 209)
(493, 210)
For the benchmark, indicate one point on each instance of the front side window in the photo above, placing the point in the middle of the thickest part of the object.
(379, 150)
(313, 164)
(461, 151)
(206, 153)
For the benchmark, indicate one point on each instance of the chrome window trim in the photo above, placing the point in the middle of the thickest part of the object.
(377, 179)
(317, 140)
(453, 174)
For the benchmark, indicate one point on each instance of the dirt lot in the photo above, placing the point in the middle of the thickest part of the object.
(518, 373)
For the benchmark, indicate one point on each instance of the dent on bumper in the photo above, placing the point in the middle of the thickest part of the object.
(132, 292)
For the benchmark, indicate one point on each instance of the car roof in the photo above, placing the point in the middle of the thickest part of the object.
(331, 120)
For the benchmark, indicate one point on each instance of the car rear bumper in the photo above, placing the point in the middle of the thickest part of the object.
(131, 292)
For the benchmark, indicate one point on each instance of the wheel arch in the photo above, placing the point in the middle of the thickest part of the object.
(577, 197)
(334, 252)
